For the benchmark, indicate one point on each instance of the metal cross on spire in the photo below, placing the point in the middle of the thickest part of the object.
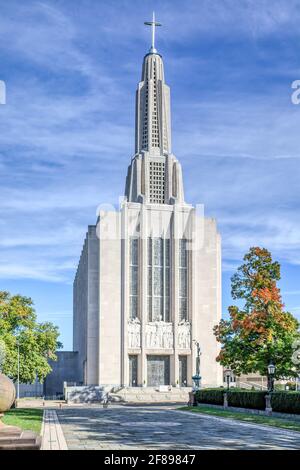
(153, 24)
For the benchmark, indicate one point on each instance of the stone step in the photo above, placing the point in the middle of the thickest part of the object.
(143, 391)
(154, 397)
(151, 395)
(20, 446)
(27, 440)
(171, 395)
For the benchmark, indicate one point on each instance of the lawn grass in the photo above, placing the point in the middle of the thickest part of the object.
(28, 419)
(249, 418)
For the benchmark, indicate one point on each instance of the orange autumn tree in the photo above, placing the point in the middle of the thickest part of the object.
(261, 331)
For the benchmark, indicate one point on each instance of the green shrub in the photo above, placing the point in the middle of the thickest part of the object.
(254, 400)
(286, 402)
(291, 385)
(212, 396)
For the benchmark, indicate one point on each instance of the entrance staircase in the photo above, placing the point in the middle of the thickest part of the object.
(151, 395)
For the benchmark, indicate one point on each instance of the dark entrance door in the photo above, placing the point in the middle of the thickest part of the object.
(133, 371)
(158, 370)
(182, 371)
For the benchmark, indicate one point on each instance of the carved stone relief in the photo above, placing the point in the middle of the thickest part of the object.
(134, 333)
(159, 335)
(184, 335)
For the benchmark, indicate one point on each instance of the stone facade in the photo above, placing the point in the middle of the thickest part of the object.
(149, 278)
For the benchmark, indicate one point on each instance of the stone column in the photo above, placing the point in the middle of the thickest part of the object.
(225, 400)
(268, 409)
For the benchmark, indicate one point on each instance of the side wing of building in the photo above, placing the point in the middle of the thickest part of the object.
(86, 309)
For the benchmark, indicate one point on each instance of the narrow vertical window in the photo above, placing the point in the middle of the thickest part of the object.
(157, 312)
(183, 279)
(158, 279)
(133, 277)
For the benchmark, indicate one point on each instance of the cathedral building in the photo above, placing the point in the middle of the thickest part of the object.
(148, 284)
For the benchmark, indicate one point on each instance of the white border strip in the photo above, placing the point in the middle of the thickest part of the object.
(52, 434)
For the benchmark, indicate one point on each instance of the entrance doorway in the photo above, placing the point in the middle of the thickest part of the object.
(133, 371)
(158, 370)
(182, 371)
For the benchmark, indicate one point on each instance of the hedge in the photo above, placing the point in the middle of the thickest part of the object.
(210, 396)
(254, 400)
(286, 402)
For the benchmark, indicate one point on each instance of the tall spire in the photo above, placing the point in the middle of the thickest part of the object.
(153, 25)
(153, 127)
(154, 175)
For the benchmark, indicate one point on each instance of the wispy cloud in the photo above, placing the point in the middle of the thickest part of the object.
(67, 131)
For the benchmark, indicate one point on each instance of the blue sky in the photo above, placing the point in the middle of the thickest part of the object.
(67, 130)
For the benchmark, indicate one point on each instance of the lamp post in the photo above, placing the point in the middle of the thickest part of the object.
(271, 372)
(228, 375)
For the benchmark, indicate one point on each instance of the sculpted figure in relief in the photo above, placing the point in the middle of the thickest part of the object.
(184, 335)
(159, 335)
(134, 333)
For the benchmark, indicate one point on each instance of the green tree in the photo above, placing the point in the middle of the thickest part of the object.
(37, 341)
(2, 354)
(261, 331)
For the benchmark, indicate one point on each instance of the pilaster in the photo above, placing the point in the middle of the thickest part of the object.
(192, 283)
(125, 294)
(143, 292)
(175, 297)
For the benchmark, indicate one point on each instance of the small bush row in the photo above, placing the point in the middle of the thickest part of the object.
(284, 402)
(255, 400)
(214, 396)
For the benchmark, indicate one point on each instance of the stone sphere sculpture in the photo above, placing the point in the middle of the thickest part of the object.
(7, 393)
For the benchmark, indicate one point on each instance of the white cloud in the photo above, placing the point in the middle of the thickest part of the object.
(67, 131)
(19, 271)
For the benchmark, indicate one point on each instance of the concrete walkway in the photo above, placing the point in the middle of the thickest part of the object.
(163, 427)
(52, 435)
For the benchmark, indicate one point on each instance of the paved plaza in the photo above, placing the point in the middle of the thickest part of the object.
(157, 428)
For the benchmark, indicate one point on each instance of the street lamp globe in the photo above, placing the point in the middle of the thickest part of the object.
(271, 369)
